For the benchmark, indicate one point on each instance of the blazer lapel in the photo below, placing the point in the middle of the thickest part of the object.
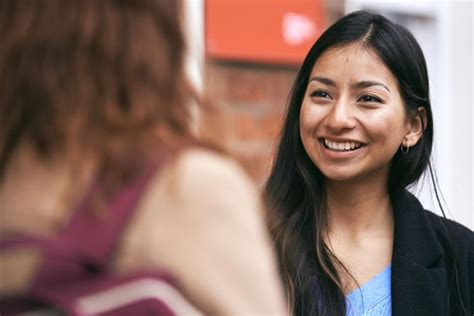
(419, 282)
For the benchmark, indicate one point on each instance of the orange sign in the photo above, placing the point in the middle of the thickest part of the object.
(270, 31)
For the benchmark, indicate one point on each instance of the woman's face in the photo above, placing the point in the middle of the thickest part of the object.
(352, 119)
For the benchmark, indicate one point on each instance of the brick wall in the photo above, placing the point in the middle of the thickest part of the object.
(252, 102)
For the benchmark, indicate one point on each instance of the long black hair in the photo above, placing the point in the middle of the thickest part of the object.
(295, 191)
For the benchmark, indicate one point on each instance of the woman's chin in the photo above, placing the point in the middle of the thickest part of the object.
(339, 174)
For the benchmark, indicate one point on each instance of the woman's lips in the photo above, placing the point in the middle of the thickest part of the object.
(341, 148)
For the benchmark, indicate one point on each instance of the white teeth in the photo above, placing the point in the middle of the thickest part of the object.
(345, 146)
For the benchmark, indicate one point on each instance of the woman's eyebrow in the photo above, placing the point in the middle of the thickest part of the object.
(369, 83)
(324, 80)
(357, 85)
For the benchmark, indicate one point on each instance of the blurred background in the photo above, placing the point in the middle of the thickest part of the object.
(245, 55)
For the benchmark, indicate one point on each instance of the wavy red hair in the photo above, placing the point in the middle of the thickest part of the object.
(98, 77)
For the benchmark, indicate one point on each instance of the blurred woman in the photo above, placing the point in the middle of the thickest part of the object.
(108, 204)
(359, 130)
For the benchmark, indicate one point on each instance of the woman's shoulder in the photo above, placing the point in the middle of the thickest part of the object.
(442, 227)
(197, 187)
(457, 240)
(202, 164)
(202, 217)
(203, 176)
(450, 232)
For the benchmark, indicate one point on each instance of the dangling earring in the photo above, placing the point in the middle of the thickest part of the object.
(405, 149)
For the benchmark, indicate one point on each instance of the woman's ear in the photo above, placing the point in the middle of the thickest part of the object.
(417, 125)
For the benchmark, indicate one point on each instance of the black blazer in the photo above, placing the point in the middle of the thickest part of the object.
(422, 262)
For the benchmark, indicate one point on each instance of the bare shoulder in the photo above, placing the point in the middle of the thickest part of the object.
(200, 166)
(200, 196)
(208, 195)
(192, 182)
(206, 177)
(201, 221)
(212, 161)
(199, 183)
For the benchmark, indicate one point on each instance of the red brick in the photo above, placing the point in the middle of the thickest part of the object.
(255, 156)
(252, 100)
(251, 127)
(248, 85)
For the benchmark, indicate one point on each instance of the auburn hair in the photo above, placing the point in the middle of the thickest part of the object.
(98, 77)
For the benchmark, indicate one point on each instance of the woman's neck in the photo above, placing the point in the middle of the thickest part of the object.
(360, 229)
(356, 210)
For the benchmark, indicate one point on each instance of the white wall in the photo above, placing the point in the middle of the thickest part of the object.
(193, 26)
(193, 19)
(444, 30)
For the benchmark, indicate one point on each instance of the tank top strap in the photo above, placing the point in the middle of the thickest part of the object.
(97, 234)
(92, 236)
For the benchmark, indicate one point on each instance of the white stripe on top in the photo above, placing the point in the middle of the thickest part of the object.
(132, 292)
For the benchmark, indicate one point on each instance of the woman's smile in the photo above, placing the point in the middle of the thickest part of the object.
(341, 149)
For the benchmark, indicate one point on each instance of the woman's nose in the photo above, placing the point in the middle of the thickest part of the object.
(340, 117)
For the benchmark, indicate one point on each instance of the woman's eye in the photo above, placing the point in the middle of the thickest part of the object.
(370, 98)
(320, 94)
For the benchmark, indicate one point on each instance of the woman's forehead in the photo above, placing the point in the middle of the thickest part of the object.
(352, 62)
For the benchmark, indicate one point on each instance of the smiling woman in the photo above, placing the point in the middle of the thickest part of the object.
(351, 124)
(359, 131)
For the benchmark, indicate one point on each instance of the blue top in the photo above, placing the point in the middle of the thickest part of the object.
(372, 298)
